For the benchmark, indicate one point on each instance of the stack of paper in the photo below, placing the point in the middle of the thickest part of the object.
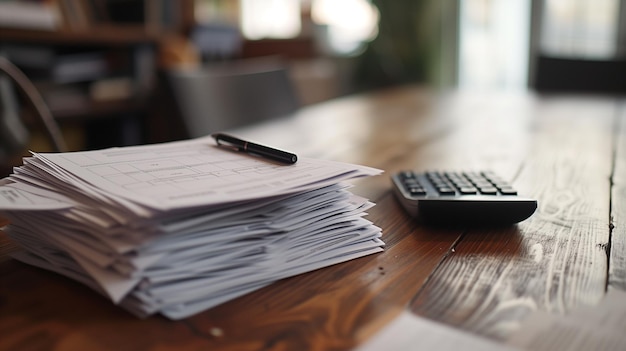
(180, 227)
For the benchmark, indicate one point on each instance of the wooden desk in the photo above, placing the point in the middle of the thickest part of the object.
(568, 152)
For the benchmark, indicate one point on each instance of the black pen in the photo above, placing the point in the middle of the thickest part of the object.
(255, 149)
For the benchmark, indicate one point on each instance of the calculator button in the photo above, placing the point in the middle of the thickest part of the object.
(508, 191)
(446, 191)
(488, 190)
(467, 190)
(407, 175)
(417, 191)
(411, 182)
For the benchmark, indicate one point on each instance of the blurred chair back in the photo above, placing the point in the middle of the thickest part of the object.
(233, 94)
(14, 132)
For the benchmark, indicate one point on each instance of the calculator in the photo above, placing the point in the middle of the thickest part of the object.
(461, 198)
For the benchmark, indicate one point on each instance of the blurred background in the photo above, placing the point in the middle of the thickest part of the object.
(127, 72)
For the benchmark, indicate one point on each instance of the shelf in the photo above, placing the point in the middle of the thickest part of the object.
(102, 34)
(99, 110)
(295, 48)
(97, 44)
(84, 23)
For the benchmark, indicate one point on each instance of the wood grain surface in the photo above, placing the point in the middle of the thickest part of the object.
(617, 247)
(565, 151)
(556, 260)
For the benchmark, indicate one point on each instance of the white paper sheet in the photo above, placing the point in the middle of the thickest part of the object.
(410, 332)
(13, 198)
(195, 173)
(599, 328)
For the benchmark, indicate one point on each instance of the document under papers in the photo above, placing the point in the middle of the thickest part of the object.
(411, 332)
(180, 227)
(599, 328)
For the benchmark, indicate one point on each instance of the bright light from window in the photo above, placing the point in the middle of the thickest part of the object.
(582, 28)
(349, 23)
(494, 41)
(278, 19)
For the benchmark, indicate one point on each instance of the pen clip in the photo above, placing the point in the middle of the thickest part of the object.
(227, 144)
(230, 142)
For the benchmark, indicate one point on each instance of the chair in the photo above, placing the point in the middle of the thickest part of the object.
(228, 95)
(14, 132)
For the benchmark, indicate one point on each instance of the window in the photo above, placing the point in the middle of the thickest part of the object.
(580, 28)
(279, 19)
(494, 44)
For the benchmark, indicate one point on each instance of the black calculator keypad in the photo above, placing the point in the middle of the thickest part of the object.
(461, 197)
(455, 183)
